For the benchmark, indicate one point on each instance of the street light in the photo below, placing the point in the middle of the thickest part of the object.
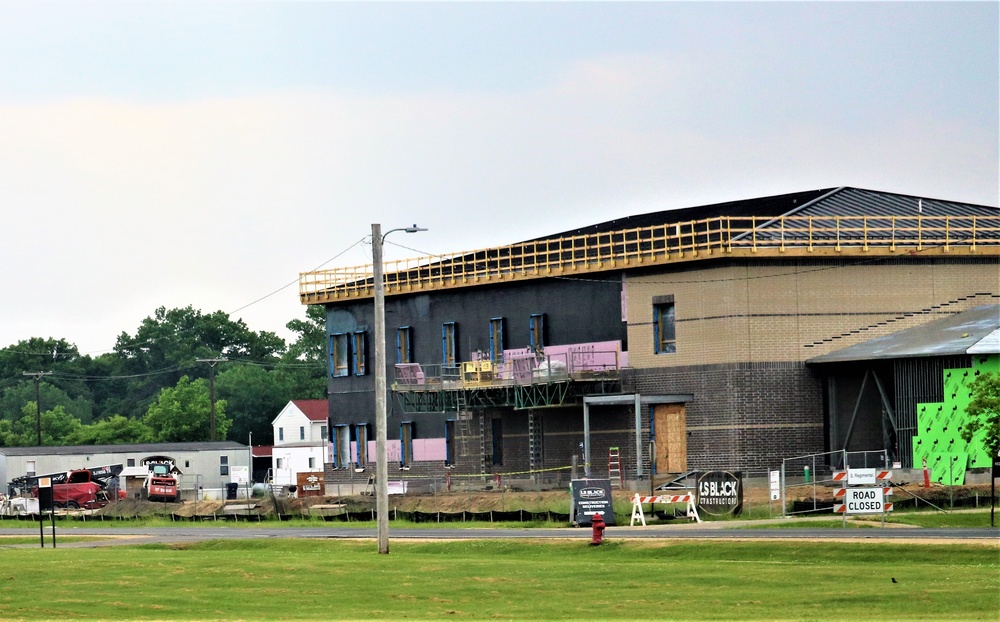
(381, 463)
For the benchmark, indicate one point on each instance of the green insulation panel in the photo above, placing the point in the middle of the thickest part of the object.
(939, 435)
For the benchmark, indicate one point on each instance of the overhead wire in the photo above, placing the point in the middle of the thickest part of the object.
(185, 330)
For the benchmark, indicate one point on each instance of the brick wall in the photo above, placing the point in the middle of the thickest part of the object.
(764, 311)
(745, 415)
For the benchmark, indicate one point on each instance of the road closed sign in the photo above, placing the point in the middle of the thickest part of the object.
(864, 501)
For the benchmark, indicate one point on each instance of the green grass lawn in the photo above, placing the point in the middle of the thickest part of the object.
(507, 580)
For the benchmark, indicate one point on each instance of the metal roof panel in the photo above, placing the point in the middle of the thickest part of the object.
(948, 336)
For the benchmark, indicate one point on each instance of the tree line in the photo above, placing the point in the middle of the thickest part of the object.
(152, 387)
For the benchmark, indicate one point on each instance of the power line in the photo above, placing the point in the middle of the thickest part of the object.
(185, 330)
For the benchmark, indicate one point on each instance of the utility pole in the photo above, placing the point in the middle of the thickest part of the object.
(211, 389)
(381, 460)
(37, 375)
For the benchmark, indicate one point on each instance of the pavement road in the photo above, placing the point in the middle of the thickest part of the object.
(717, 531)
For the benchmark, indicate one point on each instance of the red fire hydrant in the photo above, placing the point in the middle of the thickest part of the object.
(597, 523)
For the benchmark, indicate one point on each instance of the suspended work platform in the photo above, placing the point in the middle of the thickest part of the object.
(560, 376)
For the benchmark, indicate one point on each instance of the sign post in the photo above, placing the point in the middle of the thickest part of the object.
(45, 503)
(775, 482)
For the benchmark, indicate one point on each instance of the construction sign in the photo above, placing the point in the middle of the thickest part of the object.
(868, 497)
(592, 496)
(720, 493)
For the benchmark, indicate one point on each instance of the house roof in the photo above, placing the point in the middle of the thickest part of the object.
(262, 451)
(780, 225)
(968, 332)
(147, 448)
(843, 201)
(314, 410)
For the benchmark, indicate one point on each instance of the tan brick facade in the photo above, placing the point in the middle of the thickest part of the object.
(758, 311)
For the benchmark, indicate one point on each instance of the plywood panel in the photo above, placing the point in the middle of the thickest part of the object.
(671, 438)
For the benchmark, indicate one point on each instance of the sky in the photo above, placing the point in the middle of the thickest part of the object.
(205, 153)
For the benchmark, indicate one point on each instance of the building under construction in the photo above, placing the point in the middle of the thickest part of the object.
(651, 345)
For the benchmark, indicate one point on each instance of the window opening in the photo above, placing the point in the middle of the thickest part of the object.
(536, 331)
(449, 442)
(664, 335)
(302, 433)
(281, 434)
(497, 432)
(338, 355)
(496, 340)
(406, 443)
(223, 465)
(341, 446)
(358, 360)
(361, 441)
(312, 463)
(448, 357)
(404, 345)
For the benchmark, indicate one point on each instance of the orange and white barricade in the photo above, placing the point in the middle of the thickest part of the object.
(684, 497)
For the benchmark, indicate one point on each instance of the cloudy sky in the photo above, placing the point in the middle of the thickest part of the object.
(204, 154)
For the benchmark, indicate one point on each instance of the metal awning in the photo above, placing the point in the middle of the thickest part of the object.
(637, 401)
(968, 332)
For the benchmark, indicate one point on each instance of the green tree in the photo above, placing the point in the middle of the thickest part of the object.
(984, 412)
(57, 426)
(311, 341)
(65, 385)
(303, 365)
(254, 397)
(36, 354)
(16, 397)
(7, 433)
(115, 430)
(182, 413)
(167, 345)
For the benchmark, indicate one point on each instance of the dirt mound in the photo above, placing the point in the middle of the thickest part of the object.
(480, 501)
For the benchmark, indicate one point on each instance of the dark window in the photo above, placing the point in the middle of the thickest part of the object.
(130, 462)
(497, 429)
(406, 443)
(664, 336)
(449, 442)
(496, 339)
(223, 465)
(536, 332)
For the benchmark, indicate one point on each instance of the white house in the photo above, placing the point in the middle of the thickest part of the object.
(301, 440)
